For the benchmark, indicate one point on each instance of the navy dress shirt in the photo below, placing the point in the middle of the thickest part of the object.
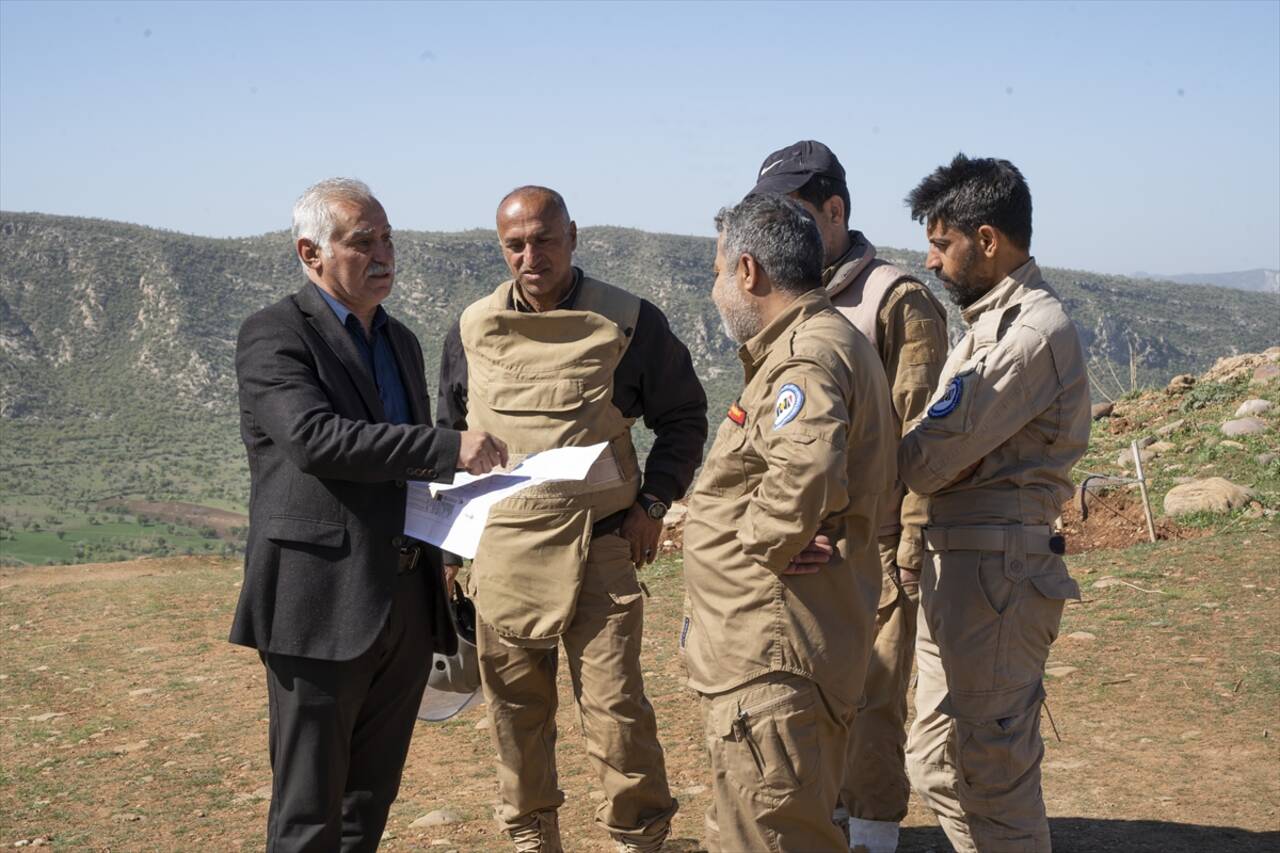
(378, 357)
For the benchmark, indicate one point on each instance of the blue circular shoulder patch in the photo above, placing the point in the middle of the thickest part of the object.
(788, 405)
(949, 401)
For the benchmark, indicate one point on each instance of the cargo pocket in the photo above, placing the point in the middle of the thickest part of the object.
(768, 740)
(528, 570)
(997, 740)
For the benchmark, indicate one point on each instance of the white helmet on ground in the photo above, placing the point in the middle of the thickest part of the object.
(453, 684)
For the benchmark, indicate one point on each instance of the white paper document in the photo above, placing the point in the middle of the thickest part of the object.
(453, 515)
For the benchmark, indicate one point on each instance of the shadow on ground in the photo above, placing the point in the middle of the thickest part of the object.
(1090, 835)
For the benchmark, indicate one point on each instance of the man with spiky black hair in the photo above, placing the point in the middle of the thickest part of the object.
(994, 454)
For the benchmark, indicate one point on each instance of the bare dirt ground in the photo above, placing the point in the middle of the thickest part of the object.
(193, 515)
(128, 723)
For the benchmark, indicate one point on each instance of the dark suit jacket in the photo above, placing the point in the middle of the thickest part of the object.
(326, 500)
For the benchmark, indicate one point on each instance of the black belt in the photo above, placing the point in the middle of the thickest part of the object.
(609, 524)
(410, 557)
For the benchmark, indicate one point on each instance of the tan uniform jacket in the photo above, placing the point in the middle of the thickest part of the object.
(1011, 416)
(910, 336)
(814, 451)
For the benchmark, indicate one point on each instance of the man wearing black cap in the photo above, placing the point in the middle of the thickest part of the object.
(907, 326)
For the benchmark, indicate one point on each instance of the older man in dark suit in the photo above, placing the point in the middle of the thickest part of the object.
(343, 609)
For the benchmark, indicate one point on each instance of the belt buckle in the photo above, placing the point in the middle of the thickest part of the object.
(413, 560)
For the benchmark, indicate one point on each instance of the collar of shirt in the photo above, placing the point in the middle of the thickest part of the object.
(519, 303)
(343, 312)
(1004, 293)
(754, 351)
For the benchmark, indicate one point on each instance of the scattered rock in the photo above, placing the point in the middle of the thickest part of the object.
(1102, 410)
(483, 723)
(1148, 449)
(675, 513)
(1244, 426)
(437, 817)
(1060, 671)
(1103, 583)
(695, 790)
(135, 746)
(142, 691)
(262, 792)
(1214, 494)
(126, 817)
(1254, 511)
(1234, 445)
(1253, 407)
(1265, 459)
(1084, 636)
(1265, 373)
(1171, 427)
(1180, 384)
(596, 795)
(44, 718)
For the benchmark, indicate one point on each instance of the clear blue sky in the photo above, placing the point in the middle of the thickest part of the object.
(1149, 132)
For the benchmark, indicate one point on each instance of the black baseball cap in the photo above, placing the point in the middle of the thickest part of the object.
(790, 168)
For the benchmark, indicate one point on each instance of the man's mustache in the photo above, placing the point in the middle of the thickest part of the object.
(382, 269)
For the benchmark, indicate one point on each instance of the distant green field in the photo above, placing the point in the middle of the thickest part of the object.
(78, 540)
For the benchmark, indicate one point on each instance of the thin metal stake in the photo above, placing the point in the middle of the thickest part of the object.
(1045, 702)
(1142, 487)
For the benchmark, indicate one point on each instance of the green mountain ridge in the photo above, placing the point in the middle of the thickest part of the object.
(117, 340)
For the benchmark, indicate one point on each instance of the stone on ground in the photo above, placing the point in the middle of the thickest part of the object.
(437, 817)
(1171, 427)
(1253, 407)
(1102, 410)
(1244, 426)
(1214, 494)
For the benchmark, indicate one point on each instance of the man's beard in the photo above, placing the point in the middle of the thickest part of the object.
(741, 318)
(965, 289)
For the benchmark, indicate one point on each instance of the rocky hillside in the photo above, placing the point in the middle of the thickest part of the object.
(116, 350)
(1209, 447)
(96, 316)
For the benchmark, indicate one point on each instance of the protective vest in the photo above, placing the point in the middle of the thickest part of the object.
(540, 381)
(858, 287)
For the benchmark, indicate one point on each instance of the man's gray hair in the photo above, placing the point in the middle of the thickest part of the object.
(780, 234)
(313, 211)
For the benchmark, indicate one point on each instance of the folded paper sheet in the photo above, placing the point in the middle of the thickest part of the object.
(453, 515)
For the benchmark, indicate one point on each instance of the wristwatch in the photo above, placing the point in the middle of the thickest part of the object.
(652, 507)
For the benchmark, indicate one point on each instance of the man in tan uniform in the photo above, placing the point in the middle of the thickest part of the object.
(775, 638)
(560, 359)
(994, 454)
(907, 326)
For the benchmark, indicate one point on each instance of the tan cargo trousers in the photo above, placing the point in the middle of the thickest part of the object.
(602, 649)
(875, 784)
(777, 747)
(974, 750)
